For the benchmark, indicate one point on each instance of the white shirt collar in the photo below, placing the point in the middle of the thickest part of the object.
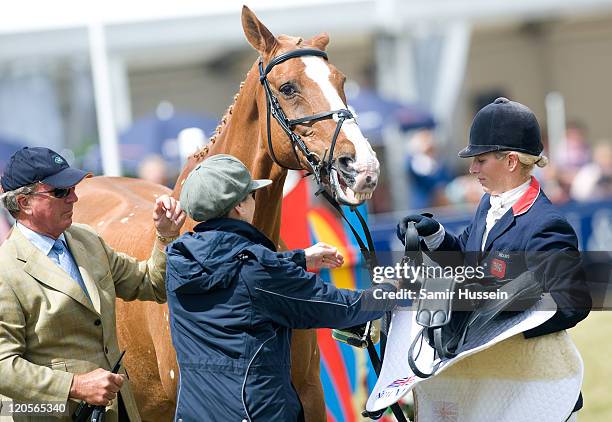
(42, 242)
(507, 199)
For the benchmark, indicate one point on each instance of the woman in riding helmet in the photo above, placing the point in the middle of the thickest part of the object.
(515, 228)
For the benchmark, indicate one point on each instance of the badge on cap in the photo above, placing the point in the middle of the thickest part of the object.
(58, 159)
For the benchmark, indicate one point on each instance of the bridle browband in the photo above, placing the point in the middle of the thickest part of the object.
(317, 164)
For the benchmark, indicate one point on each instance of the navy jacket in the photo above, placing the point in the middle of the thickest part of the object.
(534, 236)
(233, 301)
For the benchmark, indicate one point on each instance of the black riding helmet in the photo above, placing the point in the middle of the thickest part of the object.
(504, 125)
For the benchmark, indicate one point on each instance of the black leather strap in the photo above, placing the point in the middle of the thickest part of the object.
(291, 55)
(412, 359)
(412, 244)
(342, 113)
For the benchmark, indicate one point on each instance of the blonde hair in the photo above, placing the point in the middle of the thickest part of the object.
(528, 161)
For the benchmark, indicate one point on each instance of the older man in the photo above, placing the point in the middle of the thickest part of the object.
(58, 287)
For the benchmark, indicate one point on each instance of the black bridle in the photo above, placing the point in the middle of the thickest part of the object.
(317, 164)
(319, 168)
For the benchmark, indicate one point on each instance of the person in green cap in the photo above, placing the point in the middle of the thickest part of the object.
(234, 299)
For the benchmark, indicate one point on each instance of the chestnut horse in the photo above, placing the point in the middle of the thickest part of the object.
(120, 208)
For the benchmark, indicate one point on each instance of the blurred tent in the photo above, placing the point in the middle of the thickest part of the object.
(154, 133)
(8, 146)
(375, 113)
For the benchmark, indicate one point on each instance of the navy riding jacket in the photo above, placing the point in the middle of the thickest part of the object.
(233, 301)
(534, 236)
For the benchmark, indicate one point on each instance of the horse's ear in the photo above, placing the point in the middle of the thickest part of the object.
(319, 41)
(256, 32)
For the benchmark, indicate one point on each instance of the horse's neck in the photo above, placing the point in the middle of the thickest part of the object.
(240, 136)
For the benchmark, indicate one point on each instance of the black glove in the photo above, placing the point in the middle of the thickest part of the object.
(425, 225)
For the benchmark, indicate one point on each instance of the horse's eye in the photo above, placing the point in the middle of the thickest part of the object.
(288, 89)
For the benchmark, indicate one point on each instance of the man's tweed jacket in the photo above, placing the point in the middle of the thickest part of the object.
(49, 329)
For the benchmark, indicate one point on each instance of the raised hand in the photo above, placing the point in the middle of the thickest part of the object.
(168, 216)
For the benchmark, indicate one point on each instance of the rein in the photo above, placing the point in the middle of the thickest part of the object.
(320, 167)
(369, 254)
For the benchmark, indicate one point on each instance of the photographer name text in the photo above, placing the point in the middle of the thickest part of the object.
(403, 294)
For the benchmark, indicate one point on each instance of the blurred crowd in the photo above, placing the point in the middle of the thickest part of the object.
(581, 171)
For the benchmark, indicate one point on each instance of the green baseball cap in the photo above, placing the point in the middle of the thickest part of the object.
(217, 185)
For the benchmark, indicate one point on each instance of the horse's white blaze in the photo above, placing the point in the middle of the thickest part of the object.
(365, 158)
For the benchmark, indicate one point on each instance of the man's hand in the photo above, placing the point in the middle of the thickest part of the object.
(97, 387)
(168, 216)
(323, 255)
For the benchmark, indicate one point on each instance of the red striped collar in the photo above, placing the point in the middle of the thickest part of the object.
(527, 200)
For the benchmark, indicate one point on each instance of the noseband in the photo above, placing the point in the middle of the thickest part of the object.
(318, 165)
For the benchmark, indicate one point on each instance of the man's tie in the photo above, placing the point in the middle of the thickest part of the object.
(62, 257)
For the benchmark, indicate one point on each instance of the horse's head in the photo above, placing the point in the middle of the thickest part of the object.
(308, 93)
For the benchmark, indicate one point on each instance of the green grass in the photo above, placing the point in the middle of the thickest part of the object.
(593, 337)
